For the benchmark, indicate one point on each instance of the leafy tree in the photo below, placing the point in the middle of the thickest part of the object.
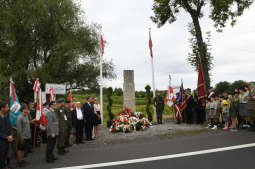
(221, 11)
(49, 40)
(222, 87)
(118, 91)
(193, 56)
(149, 102)
(237, 84)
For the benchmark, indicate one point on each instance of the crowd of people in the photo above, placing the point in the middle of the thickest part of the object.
(229, 111)
(67, 124)
(232, 111)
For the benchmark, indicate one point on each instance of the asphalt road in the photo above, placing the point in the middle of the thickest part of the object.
(96, 154)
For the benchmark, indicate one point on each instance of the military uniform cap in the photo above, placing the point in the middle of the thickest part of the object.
(61, 100)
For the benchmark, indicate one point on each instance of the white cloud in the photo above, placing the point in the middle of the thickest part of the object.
(125, 26)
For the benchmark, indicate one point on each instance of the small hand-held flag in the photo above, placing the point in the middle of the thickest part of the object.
(150, 44)
(70, 97)
(52, 97)
(102, 45)
(14, 105)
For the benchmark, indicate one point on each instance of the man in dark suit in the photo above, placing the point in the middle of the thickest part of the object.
(78, 122)
(88, 109)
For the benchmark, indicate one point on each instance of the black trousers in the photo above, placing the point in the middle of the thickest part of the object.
(50, 147)
(3, 155)
(159, 116)
(88, 129)
(79, 131)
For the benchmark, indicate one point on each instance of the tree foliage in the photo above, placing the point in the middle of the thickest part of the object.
(193, 56)
(49, 40)
(221, 11)
(228, 87)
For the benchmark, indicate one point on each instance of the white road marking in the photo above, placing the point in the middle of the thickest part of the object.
(149, 159)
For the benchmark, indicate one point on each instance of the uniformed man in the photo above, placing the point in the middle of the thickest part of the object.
(251, 103)
(68, 111)
(190, 106)
(159, 104)
(52, 132)
(62, 127)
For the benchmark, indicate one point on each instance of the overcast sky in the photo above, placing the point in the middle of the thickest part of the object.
(125, 26)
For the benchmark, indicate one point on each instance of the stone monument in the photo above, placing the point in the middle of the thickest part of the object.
(129, 90)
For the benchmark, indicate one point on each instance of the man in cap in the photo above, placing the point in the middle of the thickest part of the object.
(251, 102)
(24, 134)
(68, 111)
(52, 132)
(62, 126)
(159, 104)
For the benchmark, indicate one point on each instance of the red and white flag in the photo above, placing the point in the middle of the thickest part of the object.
(36, 85)
(178, 111)
(52, 97)
(102, 45)
(170, 98)
(150, 44)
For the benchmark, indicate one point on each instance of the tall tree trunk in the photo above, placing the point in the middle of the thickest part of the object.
(202, 49)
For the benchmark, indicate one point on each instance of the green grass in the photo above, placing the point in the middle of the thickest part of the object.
(118, 105)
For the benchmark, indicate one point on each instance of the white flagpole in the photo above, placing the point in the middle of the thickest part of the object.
(153, 82)
(101, 87)
(153, 87)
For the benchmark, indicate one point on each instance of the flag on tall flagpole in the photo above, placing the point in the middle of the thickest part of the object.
(101, 77)
(70, 96)
(201, 84)
(150, 44)
(14, 105)
(152, 70)
(52, 97)
(102, 44)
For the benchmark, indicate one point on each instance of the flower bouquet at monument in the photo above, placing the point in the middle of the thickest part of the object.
(128, 121)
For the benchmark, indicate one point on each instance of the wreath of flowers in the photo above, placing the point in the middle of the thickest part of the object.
(128, 121)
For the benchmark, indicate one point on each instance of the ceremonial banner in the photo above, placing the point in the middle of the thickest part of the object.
(181, 99)
(70, 97)
(201, 85)
(170, 98)
(14, 105)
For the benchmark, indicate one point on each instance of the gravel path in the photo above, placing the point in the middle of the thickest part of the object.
(155, 131)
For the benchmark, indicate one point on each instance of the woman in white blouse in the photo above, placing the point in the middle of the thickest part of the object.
(97, 111)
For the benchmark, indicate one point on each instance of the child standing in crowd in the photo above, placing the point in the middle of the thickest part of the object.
(5, 134)
(225, 113)
(211, 108)
(24, 134)
(233, 110)
(243, 108)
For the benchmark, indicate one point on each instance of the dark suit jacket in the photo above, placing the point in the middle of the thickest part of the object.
(74, 117)
(88, 112)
